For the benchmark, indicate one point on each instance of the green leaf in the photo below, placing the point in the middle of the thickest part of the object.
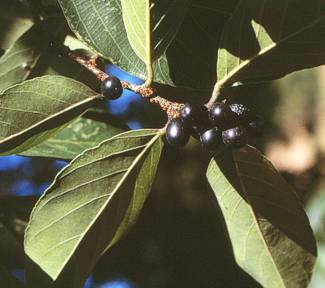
(269, 230)
(266, 39)
(34, 109)
(74, 139)
(91, 204)
(191, 56)
(20, 59)
(99, 24)
(151, 27)
(136, 17)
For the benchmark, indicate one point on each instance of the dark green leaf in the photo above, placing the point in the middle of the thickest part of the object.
(269, 230)
(190, 58)
(91, 204)
(99, 25)
(72, 140)
(14, 215)
(269, 38)
(20, 59)
(34, 109)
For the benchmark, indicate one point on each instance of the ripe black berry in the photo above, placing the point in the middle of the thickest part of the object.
(211, 139)
(111, 88)
(221, 115)
(193, 115)
(235, 137)
(241, 110)
(176, 133)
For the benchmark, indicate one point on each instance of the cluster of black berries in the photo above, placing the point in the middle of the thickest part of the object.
(228, 124)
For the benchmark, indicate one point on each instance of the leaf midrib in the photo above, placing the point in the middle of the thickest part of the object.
(133, 165)
(252, 211)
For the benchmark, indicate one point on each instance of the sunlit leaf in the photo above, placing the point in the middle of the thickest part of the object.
(33, 110)
(90, 205)
(269, 230)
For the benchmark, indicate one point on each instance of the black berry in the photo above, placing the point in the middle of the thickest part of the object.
(242, 114)
(111, 88)
(235, 137)
(211, 139)
(221, 115)
(194, 115)
(176, 133)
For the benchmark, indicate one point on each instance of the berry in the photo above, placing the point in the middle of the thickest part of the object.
(211, 139)
(241, 110)
(221, 115)
(191, 114)
(111, 88)
(235, 137)
(176, 133)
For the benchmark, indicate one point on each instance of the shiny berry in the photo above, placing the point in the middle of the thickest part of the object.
(189, 113)
(221, 115)
(235, 137)
(111, 88)
(176, 133)
(193, 115)
(211, 139)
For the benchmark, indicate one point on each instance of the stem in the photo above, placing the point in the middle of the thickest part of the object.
(171, 108)
(149, 48)
(215, 94)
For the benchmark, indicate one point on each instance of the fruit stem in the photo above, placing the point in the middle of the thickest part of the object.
(171, 108)
(215, 95)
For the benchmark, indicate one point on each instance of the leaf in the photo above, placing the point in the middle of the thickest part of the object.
(151, 27)
(20, 59)
(99, 24)
(136, 17)
(190, 57)
(14, 214)
(91, 204)
(270, 38)
(34, 109)
(74, 139)
(192, 54)
(269, 230)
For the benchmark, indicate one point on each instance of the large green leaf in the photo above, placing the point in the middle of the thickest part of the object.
(91, 204)
(152, 26)
(32, 110)
(136, 17)
(268, 228)
(190, 58)
(19, 60)
(99, 24)
(74, 139)
(266, 39)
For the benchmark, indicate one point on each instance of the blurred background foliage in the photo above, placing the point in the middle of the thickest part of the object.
(177, 241)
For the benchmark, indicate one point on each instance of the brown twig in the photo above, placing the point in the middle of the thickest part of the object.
(171, 108)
